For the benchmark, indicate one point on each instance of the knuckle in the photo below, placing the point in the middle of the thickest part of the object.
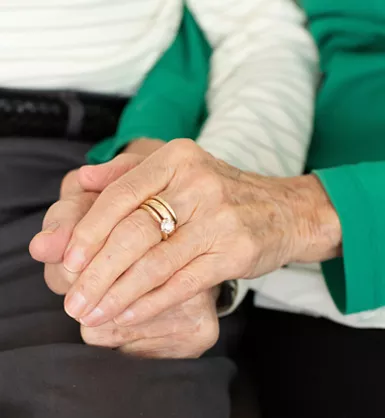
(247, 252)
(109, 335)
(125, 191)
(211, 184)
(201, 339)
(92, 282)
(138, 227)
(121, 240)
(191, 284)
(184, 143)
(120, 195)
(206, 332)
(150, 307)
(247, 245)
(182, 148)
(114, 302)
(150, 271)
(131, 229)
(212, 181)
(163, 262)
(230, 218)
(143, 270)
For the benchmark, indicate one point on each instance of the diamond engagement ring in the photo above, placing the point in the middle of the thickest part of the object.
(163, 213)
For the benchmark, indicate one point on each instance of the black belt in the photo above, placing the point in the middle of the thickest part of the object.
(87, 117)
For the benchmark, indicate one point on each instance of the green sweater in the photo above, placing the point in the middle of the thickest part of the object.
(348, 148)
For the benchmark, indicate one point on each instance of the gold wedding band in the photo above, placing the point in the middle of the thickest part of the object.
(163, 213)
(167, 206)
(162, 210)
(156, 217)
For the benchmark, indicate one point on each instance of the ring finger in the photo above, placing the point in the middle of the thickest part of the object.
(128, 242)
(151, 271)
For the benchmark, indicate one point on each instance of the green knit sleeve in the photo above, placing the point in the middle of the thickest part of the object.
(171, 100)
(357, 280)
(348, 146)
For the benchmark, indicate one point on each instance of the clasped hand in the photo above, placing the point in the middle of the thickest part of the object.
(107, 255)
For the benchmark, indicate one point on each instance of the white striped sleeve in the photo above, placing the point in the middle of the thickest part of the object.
(263, 78)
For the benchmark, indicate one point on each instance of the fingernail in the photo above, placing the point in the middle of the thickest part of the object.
(94, 318)
(75, 305)
(50, 228)
(74, 260)
(125, 318)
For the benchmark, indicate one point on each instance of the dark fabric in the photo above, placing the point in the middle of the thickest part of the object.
(59, 114)
(313, 368)
(296, 366)
(45, 369)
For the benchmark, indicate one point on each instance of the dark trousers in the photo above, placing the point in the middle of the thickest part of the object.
(296, 366)
(45, 369)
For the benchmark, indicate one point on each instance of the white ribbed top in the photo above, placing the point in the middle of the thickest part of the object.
(264, 72)
(97, 45)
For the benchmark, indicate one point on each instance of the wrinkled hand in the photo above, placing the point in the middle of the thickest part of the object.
(231, 224)
(60, 220)
(62, 217)
(185, 331)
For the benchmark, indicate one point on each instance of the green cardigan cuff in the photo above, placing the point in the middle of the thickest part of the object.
(357, 280)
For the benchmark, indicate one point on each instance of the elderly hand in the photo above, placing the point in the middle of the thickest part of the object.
(185, 331)
(60, 220)
(231, 224)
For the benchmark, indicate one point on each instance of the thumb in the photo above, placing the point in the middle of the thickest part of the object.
(49, 245)
(95, 178)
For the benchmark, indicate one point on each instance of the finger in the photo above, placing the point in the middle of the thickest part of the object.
(162, 348)
(129, 241)
(58, 279)
(49, 245)
(151, 271)
(70, 185)
(95, 178)
(201, 274)
(118, 201)
(112, 335)
(188, 329)
(60, 220)
(183, 203)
